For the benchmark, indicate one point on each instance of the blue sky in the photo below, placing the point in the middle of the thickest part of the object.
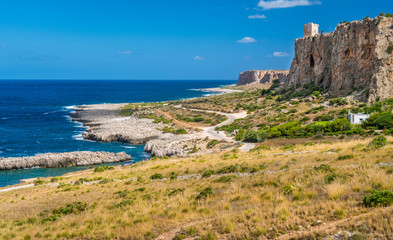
(156, 39)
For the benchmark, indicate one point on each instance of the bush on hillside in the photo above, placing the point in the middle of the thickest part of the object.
(378, 142)
(103, 168)
(324, 117)
(378, 198)
(338, 125)
(212, 143)
(255, 136)
(379, 120)
(338, 101)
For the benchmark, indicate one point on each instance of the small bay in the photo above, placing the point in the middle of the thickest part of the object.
(34, 116)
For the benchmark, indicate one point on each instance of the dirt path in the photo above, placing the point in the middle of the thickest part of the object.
(179, 123)
(220, 135)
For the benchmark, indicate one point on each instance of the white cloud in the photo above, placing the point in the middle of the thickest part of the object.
(198, 58)
(124, 53)
(280, 54)
(266, 5)
(257, 16)
(247, 40)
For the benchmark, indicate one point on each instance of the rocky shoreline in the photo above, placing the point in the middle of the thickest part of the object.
(67, 159)
(104, 124)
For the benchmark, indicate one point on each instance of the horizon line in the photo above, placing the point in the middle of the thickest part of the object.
(86, 79)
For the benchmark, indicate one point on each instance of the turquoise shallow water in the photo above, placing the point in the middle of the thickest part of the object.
(34, 116)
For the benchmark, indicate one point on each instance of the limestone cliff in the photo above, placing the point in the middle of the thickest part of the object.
(262, 76)
(355, 58)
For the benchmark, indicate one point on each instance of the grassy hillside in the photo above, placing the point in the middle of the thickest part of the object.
(280, 192)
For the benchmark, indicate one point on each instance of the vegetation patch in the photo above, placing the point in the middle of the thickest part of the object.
(212, 143)
(205, 193)
(103, 168)
(72, 208)
(378, 198)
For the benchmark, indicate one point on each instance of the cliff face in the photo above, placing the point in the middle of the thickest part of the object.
(352, 59)
(262, 76)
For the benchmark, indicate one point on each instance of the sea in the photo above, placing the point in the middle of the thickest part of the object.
(34, 116)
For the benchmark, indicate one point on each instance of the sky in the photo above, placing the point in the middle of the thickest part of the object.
(156, 39)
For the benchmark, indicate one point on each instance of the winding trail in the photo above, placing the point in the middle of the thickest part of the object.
(220, 135)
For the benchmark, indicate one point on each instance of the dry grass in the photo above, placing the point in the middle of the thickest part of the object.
(286, 193)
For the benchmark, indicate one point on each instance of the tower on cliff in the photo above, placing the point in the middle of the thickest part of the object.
(310, 29)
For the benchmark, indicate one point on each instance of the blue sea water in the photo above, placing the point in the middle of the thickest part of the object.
(34, 116)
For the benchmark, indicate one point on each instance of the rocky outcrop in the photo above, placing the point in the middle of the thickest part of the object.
(355, 58)
(167, 145)
(104, 124)
(262, 76)
(68, 159)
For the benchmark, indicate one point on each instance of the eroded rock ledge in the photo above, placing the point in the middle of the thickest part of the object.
(68, 159)
(104, 124)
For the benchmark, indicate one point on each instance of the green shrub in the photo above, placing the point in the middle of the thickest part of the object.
(123, 203)
(324, 117)
(288, 147)
(229, 169)
(289, 189)
(103, 168)
(39, 181)
(378, 142)
(290, 129)
(197, 119)
(379, 120)
(205, 193)
(173, 192)
(207, 173)
(156, 176)
(212, 143)
(255, 136)
(338, 125)
(389, 50)
(378, 198)
(181, 131)
(172, 176)
(224, 179)
(241, 135)
(324, 168)
(344, 157)
(338, 101)
(333, 176)
(73, 208)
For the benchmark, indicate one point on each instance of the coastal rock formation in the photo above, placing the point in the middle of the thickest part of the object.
(167, 145)
(262, 76)
(104, 124)
(68, 159)
(355, 58)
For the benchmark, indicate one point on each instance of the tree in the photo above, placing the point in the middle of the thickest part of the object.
(338, 125)
(379, 120)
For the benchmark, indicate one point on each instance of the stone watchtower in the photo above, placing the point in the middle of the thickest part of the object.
(310, 29)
